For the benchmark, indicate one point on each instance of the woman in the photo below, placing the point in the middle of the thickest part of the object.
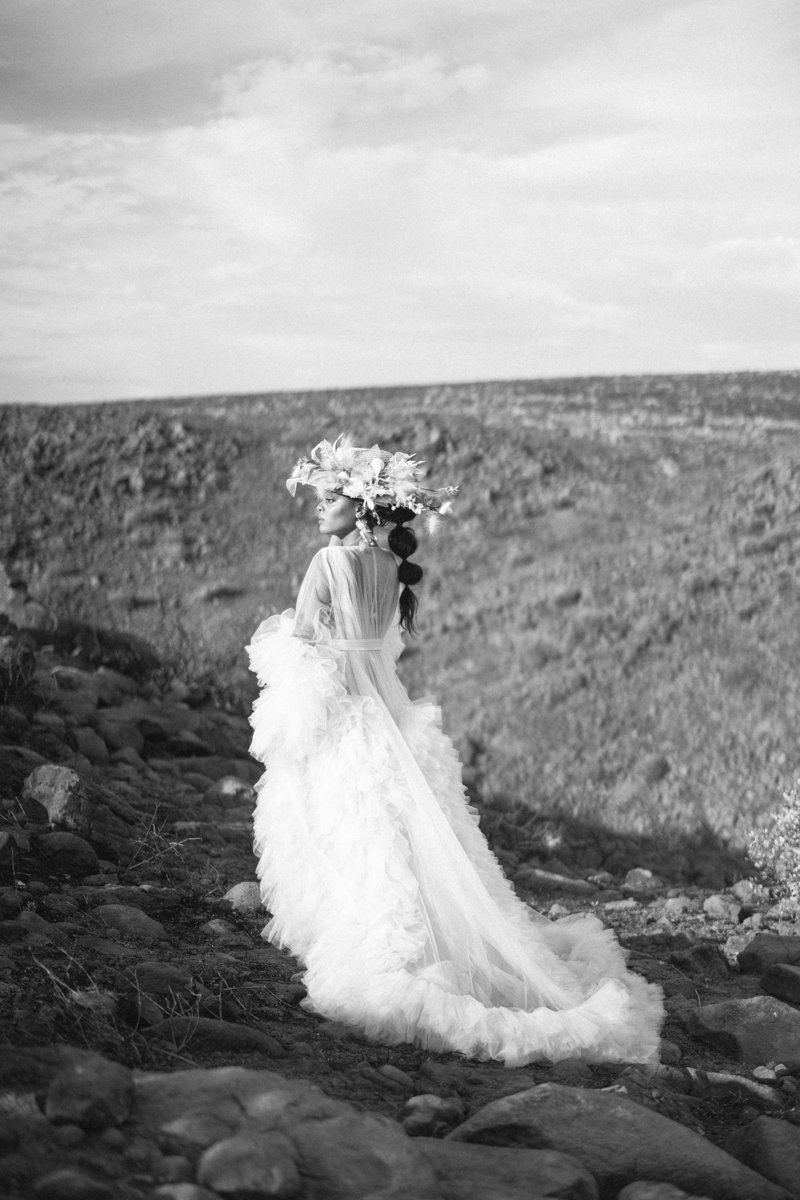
(370, 859)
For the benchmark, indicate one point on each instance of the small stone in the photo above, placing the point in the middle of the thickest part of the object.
(722, 908)
(50, 721)
(244, 897)
(572, 1072)
(765, 949)
(225, 935)
(40, 930)
(535, 879)
(765, 1074)
(142, 1155)
(11, 902)
(428, 1115)
(215, 1035)
(131, 922)
(704, 960)
(128, 755)
(87, 742)
(69, 1136)
(601, 879)
(642, 880)
(648, 1189)
(734, 945)
(669, 1053)
(69, 1183)
(113, 1138)
(253, 1166)
(9, 1135)
(92, 1093)
(184, 1191)
(749, 893)
(68, 853)
(653, 768)
(395, 1073)
(783, 982)
(676, 906)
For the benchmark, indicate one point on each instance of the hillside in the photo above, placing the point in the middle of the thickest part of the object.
(610, 620)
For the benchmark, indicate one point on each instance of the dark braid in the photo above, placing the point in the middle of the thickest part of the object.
(403, 543)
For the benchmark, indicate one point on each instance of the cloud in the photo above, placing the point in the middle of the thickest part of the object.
(359, 193)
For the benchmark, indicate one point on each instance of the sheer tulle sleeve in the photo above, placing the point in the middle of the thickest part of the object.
(314, 601)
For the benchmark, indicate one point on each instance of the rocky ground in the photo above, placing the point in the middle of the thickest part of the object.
(152, 1044)
(619, 583)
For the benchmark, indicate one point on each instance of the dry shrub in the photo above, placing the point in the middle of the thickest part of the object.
(775, 848)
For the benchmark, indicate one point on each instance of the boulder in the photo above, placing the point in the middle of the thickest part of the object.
(782, 982)
(74, 804)
(617, 1141)
(92, 1094)
(757, 1030)
(244, 897)
(68, 853)
(254, 1165)
(346, 1153)
(765, 949)
(772, 1148)
(468, 1172)
(131, 922)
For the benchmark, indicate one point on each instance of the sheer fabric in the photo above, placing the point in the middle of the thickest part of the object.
(374, 869)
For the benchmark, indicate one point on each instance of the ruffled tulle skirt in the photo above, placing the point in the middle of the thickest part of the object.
(377, 877)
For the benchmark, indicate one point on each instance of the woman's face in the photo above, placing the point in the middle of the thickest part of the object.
(336, 515)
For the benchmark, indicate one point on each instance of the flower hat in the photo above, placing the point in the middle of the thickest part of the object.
(371, 476)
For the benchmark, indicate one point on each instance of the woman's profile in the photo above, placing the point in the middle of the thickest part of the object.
(371, 861)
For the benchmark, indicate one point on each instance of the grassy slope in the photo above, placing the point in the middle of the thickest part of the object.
(610, 622)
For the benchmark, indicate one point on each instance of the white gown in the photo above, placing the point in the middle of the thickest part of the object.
(374, 869)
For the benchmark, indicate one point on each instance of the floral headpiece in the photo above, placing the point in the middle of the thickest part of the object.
(373, 477)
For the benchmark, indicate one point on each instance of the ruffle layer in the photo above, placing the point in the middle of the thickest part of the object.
(376, 875)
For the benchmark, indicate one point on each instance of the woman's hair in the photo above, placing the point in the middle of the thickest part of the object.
(403, 543)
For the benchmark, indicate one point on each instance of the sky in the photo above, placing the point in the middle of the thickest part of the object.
(219, 196)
